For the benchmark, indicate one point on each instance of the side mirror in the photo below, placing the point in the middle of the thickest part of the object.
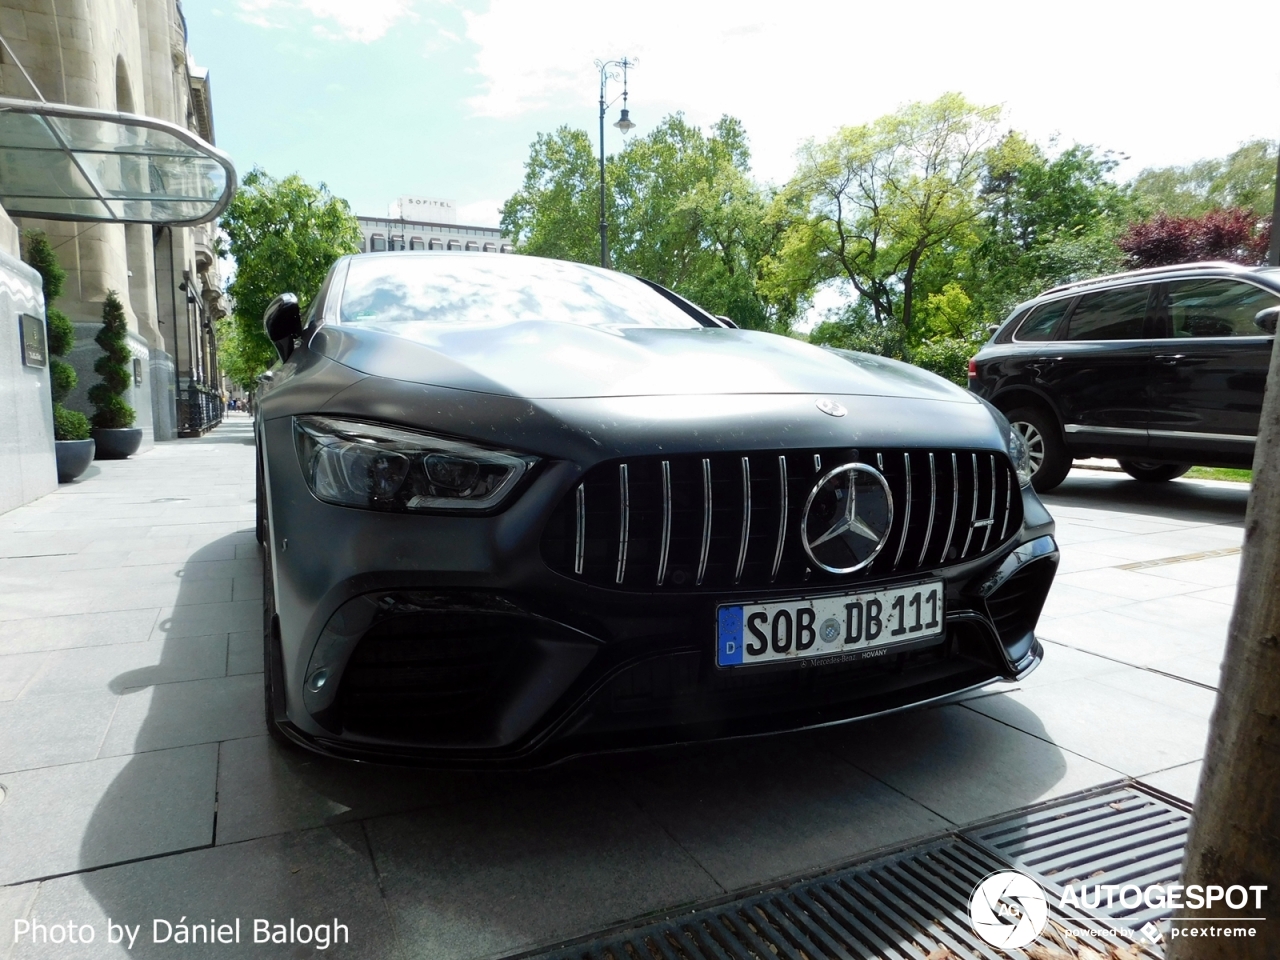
(1266, 319)
(992, 328)
(726, 321)
(282, 321)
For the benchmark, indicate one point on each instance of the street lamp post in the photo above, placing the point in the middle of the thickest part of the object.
(624, 124)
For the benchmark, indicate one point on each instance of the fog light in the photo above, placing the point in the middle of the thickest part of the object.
(318, 680)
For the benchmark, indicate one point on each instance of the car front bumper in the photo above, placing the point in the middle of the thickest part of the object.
(447, 641)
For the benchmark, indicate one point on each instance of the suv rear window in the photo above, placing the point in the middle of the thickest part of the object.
(1043, 320)
(1216, 308)
(1110, 315)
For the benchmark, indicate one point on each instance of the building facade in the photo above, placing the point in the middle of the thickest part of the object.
(130, 56)
(428, 223)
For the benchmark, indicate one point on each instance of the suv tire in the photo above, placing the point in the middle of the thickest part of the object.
(1050, 458)
(1153, 472)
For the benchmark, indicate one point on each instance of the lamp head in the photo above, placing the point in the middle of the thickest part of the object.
(624, 122)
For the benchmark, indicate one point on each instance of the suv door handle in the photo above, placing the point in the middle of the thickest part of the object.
(1040, 364)
(1170, 359)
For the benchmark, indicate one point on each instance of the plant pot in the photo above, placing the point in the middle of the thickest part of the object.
(74, 457)
(117, 444)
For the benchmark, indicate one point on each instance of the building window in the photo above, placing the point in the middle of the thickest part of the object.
(415, 243)
(397, 242)
(435, 243)
(455, 244)
(506, 248)
(473, 246)
(490, 248)
(377, 243)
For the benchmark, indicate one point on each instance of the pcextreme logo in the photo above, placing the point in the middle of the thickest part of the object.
(1008, 909)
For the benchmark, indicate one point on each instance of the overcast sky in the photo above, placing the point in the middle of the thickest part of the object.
(380, 98)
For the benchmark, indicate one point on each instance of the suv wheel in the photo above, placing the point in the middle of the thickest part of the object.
(1153, 472)
(1050, 460)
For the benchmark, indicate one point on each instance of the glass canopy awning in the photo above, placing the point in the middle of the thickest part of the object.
(61, 162)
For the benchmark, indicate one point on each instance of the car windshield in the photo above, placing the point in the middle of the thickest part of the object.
(476, 289)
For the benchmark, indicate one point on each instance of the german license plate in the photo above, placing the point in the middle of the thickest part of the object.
(853, 626)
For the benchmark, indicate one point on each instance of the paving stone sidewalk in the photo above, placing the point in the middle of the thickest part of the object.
(139, 783)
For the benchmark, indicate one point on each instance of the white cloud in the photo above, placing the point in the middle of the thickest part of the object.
(481, 213)
(363, 22)
(1158, 83)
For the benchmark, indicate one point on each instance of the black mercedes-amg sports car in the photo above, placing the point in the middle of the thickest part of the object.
(517, 509)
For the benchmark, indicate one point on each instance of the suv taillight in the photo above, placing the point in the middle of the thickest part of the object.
(973, 368)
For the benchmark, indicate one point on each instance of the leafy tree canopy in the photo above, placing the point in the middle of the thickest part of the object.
(682, 207)
(284, 236)
(1238, 235)
(1045, 220)
(884, 197)
(1245, 178)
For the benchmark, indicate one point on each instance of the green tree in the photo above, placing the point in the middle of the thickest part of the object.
(284, 236)
(67, 424)
(692, 219)
(885, 198)
(113, 411)
(1244, 178)
(683, 211)
(1045, 220)
(556, 211)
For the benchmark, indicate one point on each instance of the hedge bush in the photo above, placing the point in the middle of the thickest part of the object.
(61, 336)
(947, 358)
(113, 412)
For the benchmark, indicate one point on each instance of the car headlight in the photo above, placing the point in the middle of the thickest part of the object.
(1015, 445)
(386, 468)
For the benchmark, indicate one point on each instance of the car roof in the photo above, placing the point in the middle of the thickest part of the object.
(1207, 268)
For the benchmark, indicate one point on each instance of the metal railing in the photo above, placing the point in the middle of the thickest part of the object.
(200, 409)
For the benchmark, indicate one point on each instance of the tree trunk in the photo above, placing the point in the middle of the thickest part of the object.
(1235, 831)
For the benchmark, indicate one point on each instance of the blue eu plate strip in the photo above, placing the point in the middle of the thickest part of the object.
(729, 647)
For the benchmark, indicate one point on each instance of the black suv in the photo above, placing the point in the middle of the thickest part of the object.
(1161, 369)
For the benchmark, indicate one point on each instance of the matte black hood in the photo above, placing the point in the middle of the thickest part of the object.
(553, 360)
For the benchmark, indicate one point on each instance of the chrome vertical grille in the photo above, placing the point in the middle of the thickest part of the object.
(726, 520)
(746, 518)
(906, 518)
(666, 521)
(624, 527)
(955, 506)
(782, 517)
(706, 520)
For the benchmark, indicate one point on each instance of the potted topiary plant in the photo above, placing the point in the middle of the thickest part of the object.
(72, 444)
(113, 429)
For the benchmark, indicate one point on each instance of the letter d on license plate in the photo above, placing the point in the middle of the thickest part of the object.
(853, 625)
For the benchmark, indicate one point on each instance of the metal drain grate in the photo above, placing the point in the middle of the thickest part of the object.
(1123, 836)
(908, 905)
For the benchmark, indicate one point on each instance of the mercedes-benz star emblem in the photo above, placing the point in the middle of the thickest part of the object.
(847, 518)
(830, 407)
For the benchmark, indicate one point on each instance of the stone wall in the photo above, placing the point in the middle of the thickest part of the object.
(127, 55)
(27, 468)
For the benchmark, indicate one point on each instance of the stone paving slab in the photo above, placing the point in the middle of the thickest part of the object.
(311, 877)
(130, 700)
(770, 808)
(264, 790)
(60, 819)
(502, 873)
(967, 766)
